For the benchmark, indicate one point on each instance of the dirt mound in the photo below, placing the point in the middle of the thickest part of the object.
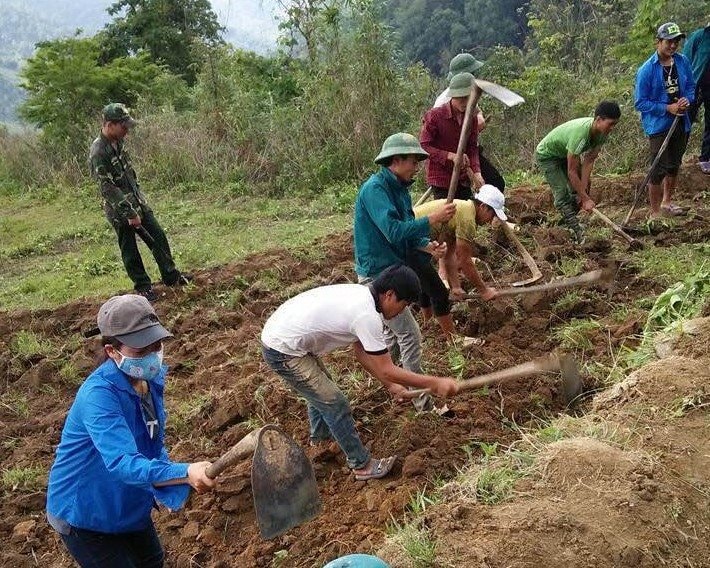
(219, 389)
(637, 496)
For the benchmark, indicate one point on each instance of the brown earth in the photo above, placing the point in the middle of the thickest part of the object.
(219, 388)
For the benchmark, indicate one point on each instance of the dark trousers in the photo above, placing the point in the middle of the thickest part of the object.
(132, 257)
(489, 173)
(91, 549)
(434, 294)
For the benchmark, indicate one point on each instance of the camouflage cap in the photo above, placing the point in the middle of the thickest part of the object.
(463, 63)
(118, 112)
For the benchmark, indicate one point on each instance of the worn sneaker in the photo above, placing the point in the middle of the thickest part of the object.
(704, 167)
(182, 280)
(149, 294)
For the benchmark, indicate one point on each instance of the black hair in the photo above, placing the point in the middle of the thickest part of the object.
(608, 109)
(387, 162)
(401, 279)
(101, 356)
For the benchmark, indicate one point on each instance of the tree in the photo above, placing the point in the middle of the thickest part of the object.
(167, 30)
(67, 87)
(433, 31)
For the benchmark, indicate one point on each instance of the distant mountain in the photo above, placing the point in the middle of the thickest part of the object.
(249, 24)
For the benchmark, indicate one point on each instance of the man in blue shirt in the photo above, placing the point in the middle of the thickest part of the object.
(665, 89)
(386, 233)
(697, 50)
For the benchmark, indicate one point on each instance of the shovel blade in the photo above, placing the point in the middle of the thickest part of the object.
(283, 484)
(572, 385)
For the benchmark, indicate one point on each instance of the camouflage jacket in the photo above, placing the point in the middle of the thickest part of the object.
(122, 197)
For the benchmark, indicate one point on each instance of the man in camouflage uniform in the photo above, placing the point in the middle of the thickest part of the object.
(125, 205)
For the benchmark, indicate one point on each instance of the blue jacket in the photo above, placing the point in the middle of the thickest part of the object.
(650, 97)
(106, 462)
(697, 50)
(384, 225)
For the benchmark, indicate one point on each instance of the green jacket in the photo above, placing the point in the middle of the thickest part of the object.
(122, 197)
(697, 49)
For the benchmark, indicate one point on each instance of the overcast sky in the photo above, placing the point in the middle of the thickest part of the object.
(249, 23)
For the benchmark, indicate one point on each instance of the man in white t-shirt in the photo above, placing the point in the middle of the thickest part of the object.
(323, 319)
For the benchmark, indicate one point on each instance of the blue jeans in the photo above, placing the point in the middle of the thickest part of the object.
(91, 549)
(329, 412)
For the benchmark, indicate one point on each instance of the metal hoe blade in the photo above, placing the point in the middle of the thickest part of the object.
(505, 96)
(283, 483)
(572, 385)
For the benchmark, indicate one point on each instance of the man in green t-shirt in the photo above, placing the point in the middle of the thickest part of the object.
(459, 234)
(566, 156)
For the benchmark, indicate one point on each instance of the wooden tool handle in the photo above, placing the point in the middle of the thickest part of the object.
(527, 258)
(242, 449)
(545, 364)
(613, 225)
(581, 280)
(463, 140)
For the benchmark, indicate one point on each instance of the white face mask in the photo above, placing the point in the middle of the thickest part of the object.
(145, 368)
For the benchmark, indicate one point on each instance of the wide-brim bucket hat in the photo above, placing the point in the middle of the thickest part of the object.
(401, 144)
(463, 63)
(461, 85)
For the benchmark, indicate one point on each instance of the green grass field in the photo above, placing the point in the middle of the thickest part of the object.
(58, 246)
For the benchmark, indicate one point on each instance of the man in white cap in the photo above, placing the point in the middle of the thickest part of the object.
(459, 234)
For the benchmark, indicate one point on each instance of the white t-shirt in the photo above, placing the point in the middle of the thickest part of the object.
(326, 318)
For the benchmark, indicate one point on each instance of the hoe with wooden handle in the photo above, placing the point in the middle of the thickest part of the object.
(529, 261)
(552, 362)
(601, 276)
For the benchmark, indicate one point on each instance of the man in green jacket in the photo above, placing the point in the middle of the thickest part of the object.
(125, 205)
(566, 156)
(386, 233)
(697, 50)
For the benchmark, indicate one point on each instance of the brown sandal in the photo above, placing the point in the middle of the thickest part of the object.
(375, 468)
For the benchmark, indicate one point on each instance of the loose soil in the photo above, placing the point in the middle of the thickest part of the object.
(219, 389)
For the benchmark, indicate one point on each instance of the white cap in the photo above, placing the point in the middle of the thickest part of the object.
(492, 196)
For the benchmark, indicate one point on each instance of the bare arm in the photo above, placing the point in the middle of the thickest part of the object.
(581, 183)
(464, 251)
(382, 368)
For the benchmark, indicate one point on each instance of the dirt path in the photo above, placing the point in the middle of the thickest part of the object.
(219, 389)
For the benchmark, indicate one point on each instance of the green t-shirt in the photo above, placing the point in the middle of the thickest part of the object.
(462, 225)
(572, 137)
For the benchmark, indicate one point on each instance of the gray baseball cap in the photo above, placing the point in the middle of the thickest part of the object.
(132, 320)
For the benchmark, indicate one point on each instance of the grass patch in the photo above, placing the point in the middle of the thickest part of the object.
(577, 334)
(415, 540)
(668, 267)
(23, 478)
(570, 266)
(27, 345)
(185, 412)
(48, 263)
(568, 301)
(16, 403)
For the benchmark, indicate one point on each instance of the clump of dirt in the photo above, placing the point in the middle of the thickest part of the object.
(219, 389)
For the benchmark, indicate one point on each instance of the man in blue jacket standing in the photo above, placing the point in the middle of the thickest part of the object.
(665, 89)
(386, 233)
(697, 50)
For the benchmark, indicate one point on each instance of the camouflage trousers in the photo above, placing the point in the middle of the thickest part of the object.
(131, 256)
